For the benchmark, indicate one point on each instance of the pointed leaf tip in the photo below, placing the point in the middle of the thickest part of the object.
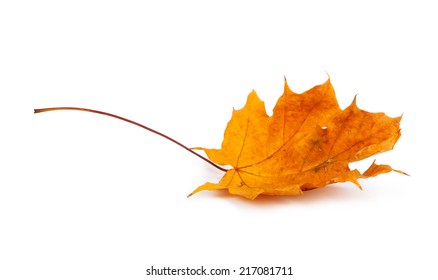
(354, 100)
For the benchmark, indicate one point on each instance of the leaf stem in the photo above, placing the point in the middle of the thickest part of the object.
(132, 122)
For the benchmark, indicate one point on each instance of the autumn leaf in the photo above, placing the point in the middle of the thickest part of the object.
(307, 143)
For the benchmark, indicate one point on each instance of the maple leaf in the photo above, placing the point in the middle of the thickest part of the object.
(307, 143)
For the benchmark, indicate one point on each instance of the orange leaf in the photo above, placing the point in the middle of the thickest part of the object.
(307, 143)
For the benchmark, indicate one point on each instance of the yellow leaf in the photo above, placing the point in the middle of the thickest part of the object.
(307, 143)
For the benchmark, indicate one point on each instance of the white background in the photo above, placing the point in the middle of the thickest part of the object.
(84, 196)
